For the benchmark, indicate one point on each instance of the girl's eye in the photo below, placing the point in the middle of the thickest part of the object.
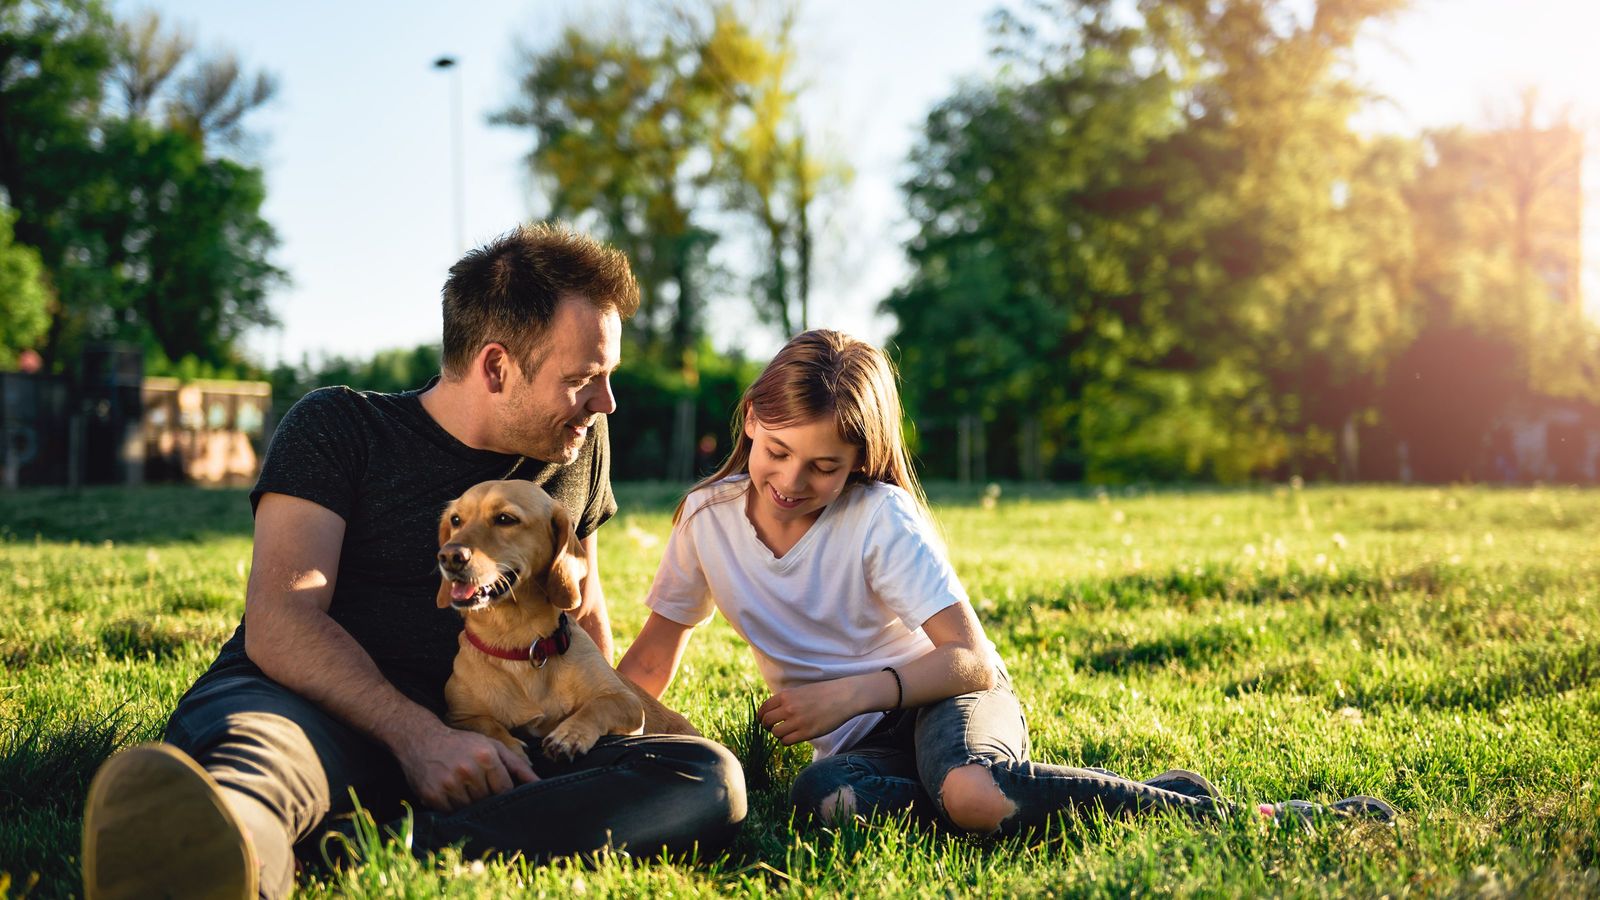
(505, 519)
(776, 455)
(822, 471)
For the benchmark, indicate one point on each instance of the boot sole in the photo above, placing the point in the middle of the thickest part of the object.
(156, 826)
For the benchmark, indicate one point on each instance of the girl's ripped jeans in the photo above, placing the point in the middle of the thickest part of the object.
(902, 763)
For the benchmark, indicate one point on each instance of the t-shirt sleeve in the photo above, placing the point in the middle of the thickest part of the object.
(906, 565)
(602, 503)
(315, 454)
(680, 591)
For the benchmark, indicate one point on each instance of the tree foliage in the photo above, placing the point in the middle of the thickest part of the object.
(661, 137)
(107, 140)
(1160, 238)
(24, 314)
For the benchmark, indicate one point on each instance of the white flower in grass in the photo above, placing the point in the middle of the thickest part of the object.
(1340, 541)
(1488, 539)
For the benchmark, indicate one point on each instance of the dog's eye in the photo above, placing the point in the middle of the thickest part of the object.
(455, 521)
(505, 519)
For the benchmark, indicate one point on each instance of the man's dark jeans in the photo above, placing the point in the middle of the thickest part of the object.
(286, 769)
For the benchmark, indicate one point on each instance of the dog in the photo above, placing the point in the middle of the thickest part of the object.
(511, 564)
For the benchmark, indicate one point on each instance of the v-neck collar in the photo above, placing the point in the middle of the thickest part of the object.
(798, 551)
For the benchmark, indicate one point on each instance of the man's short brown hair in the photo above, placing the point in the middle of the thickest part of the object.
(507, 290)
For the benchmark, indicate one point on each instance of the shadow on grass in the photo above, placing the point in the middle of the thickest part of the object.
(46, 764)
(148, 514)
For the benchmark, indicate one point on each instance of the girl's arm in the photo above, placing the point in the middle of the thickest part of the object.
(957, 664)
(653, 658)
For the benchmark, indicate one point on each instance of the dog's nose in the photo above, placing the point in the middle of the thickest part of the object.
(454, 556)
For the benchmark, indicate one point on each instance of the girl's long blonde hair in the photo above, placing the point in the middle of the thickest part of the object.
(829, 374)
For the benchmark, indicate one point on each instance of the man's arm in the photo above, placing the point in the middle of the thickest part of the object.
(592, 615)
(292, 639)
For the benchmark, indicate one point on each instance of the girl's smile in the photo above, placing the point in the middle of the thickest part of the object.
(795, 472)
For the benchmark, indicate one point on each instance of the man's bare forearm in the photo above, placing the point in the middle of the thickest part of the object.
(303, 649)
(597, 622)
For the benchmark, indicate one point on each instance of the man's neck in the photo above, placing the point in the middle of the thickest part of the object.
(453, 406)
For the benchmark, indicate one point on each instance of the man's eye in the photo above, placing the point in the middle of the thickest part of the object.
(455, 521)
(505, 519)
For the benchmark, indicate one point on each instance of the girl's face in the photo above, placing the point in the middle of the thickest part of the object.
(797, 470)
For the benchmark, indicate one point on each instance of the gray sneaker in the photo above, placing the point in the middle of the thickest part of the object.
(1185, 782)
(156, 825)
(1306, 814)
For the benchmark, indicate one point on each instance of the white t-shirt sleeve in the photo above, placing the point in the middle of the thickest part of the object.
(906, 565)
(680, 591)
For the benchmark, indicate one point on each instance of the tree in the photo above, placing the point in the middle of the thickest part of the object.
(619, 140)
(640, 131)
(53, 57)
(764, 161)
(23, 297)
(1158, 233)
(143, 234)
(1496, 215)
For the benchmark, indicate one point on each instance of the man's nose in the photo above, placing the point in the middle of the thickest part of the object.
(603, 401)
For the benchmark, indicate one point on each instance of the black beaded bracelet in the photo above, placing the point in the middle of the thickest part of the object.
(899, 687)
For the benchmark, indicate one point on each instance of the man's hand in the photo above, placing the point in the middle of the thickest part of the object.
(810, 710)
(450, 768)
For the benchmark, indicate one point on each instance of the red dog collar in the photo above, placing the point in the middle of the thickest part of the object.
(540, 650)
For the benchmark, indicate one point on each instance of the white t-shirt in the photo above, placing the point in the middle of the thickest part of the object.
(849, 598)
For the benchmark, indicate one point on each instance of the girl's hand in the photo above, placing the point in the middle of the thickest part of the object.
(808, 711)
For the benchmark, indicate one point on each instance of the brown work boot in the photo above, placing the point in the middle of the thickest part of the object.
(157, 826)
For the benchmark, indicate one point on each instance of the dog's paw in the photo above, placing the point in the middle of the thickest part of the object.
(570, 741)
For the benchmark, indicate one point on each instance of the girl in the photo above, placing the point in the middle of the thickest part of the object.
(816, 543)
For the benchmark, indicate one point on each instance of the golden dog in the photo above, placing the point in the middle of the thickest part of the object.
(512, 566)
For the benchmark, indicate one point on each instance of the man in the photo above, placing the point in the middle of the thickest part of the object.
(337, 682)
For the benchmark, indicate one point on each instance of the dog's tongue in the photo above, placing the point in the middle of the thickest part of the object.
(462, 590)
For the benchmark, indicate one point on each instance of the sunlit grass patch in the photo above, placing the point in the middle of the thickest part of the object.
(1436, 647)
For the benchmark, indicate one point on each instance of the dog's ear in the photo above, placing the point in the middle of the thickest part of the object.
(563, 581)
(444, 525)
(444, 537)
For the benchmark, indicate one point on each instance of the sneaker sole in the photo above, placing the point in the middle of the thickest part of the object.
(156, 826)
(1183, 781)
(1363, 807)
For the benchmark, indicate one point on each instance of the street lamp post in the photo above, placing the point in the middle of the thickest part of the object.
(449, 62)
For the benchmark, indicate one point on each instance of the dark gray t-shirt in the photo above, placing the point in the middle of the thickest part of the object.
(386, 467)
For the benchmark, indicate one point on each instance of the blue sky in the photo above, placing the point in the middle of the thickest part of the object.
(357, 145)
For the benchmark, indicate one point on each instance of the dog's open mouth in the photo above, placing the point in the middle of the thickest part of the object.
(465, 594)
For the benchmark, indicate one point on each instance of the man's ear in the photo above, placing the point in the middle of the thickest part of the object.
(563, 581)
(493, 364)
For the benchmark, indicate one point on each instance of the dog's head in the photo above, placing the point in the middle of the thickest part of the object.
(505, 540)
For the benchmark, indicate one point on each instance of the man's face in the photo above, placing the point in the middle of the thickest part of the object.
(548, 410)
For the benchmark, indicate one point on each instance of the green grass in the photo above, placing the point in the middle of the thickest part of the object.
(1436, 647)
